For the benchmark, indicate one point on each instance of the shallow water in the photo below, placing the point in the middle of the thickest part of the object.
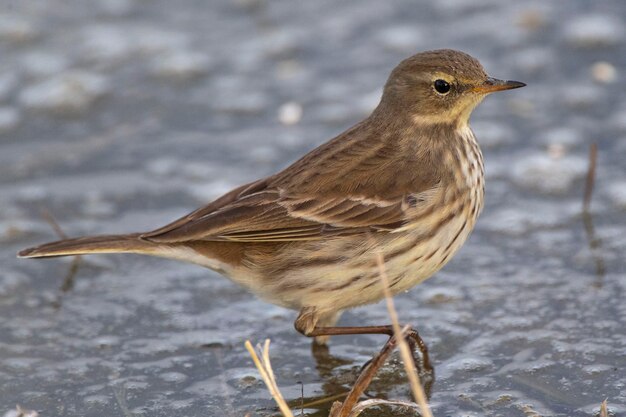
(122, 115)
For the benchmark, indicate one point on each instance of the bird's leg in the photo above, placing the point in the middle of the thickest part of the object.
(412, 337)
(307, 320)
(422, 360)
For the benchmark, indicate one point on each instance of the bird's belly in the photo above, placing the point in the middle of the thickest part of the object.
(426, 256)
(341, 273)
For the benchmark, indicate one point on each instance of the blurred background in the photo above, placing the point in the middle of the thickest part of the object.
(121, 115)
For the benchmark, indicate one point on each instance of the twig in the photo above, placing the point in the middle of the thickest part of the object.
(405, 352)
(591, 176)
(301, 398)
(68, 281)
(265, 369)
(363, 381)
(47, 216)
(594, 243)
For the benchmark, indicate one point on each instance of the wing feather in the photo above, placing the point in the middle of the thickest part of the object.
(354, 183)
(270, 216)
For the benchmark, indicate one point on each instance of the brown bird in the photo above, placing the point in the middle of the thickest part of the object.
(407, 181)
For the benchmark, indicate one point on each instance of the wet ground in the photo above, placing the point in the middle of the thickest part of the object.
(121, 115)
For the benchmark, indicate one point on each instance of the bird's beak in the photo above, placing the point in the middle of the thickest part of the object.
(491, 85)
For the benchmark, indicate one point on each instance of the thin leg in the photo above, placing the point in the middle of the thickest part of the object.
(413, 338)
(337, 331)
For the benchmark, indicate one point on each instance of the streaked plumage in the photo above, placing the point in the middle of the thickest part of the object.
(407, 181)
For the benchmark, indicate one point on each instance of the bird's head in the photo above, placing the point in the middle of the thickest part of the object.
(440, 86)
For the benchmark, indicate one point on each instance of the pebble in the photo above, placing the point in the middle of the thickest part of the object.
(181, 65)
(594, 30)
(290, 113)
(548, 175)
(604, 72)
(66, 94)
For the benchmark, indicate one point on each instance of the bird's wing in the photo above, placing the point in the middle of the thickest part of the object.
(271, 214)
(359, 181)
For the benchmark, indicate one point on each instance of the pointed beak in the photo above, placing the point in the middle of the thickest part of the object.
(491, 85)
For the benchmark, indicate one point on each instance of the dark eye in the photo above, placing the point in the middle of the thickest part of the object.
(442, 86)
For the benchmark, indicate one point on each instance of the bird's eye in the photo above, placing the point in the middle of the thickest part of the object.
(442, 86)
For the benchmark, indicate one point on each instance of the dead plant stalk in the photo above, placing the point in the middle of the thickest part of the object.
(405, 351)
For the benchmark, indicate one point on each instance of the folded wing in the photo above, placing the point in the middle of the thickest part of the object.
(270, 215)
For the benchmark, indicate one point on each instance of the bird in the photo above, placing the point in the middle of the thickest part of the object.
(407, 182)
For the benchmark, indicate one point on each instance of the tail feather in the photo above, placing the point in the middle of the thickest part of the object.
(130, 243)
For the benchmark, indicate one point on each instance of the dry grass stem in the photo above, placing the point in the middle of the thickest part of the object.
(48, 217)
(324, 400)
(68, 281)
(594, 243)
(265, 369)
(604, 412)
(363, 381)
(591, 176)
(405, 352)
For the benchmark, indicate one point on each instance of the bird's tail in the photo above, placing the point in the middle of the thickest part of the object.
(130, 243)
